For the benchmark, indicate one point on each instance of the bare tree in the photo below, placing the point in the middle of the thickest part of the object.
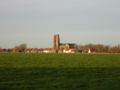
(94, 47)
(115, 49)
(21, 47)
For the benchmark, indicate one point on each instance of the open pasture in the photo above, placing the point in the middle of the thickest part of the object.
(20, 71)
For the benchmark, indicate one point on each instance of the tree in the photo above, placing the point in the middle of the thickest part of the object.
(21, 47)
(94, 47)
(0, 50)
(115, 49)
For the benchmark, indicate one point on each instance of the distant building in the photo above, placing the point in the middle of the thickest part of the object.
(48, 50)
(89, 51)
(67, 45)
(70, 51)
(56, 42)
(63, 47)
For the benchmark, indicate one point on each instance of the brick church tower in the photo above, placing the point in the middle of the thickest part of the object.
(56, 42)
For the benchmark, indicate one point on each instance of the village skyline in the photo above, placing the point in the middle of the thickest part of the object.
(66, 47)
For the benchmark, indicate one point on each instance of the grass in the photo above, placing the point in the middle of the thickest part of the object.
(20, 71)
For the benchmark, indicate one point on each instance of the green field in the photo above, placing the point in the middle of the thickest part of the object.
(20, 71)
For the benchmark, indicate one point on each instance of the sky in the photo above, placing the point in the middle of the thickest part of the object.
(34, 22)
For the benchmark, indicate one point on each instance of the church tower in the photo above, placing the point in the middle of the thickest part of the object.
(56, 41)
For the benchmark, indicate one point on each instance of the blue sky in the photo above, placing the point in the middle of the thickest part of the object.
(77, 21)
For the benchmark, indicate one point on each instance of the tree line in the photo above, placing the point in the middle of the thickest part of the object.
(95, 48)
(100, 48)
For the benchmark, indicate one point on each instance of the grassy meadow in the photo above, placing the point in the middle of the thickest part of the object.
(20, 71)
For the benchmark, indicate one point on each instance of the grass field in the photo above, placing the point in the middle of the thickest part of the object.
(19, 71)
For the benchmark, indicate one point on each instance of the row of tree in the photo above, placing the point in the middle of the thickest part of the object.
(100, 48)
(95, 48)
